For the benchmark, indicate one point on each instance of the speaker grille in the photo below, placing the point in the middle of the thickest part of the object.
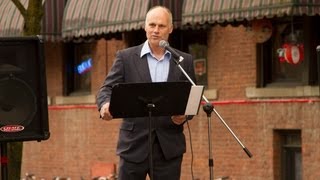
(18, 104)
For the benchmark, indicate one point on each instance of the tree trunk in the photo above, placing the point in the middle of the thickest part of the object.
(33, 18)
(14, 160)
(32, 26)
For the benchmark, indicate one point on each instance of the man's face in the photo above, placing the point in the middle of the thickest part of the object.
(158, 26)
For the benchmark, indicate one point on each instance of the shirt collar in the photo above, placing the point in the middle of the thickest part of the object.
(146, 50)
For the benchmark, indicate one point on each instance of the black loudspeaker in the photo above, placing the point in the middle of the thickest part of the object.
(23, 90)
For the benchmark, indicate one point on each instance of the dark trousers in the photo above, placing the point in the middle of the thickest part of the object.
(162, 169)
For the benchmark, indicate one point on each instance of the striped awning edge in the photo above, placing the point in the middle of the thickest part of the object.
(212, 11)
(12, 22)
(52, 20)
(175, 7)
(95, 17)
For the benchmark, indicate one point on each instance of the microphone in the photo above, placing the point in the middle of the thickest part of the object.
(164, 44)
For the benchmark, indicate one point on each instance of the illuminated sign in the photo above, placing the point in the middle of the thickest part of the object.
(85, 66)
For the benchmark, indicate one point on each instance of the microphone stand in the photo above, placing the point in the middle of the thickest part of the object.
(4, 160)
(318, 61)
(208, 108)
(150, 104)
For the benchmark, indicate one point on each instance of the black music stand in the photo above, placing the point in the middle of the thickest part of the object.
(130, 100)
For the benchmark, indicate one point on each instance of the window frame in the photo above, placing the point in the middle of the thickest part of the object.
(73, 51)
(264, 69)
(288, 154)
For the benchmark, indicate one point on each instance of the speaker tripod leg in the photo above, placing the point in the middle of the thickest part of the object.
(4, 161)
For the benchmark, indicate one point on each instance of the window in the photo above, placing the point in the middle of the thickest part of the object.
(289, 58)
(291, 156)
(79, 64)
(289, 150)
(199, 53)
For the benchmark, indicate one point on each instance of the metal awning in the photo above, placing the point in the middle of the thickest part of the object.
(85, 18)
(95, 17)
(12, 22)
(218, 11)
(175, 7)
(52, 20)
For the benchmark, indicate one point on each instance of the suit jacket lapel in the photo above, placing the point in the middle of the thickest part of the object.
(173, 71)
(142, 66)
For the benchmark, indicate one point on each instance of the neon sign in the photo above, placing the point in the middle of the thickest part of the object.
(84, 66)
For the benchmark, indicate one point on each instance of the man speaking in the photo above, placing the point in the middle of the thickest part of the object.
(148, 63)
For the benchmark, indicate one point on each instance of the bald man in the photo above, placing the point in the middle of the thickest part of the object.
(148, 63)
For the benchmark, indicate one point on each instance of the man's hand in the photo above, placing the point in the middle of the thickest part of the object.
(105, 113)
(178, 119)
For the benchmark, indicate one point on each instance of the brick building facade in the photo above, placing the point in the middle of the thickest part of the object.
(278, 123)
(79, 139)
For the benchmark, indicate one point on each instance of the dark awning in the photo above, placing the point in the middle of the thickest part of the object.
(12, 22)
(174, 5)
(212, 11)
(85, 18)
(52, 20)
(95, 17)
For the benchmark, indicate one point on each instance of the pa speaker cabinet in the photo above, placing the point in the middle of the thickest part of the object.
(23, 90)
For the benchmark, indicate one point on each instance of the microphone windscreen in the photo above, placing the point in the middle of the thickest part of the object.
(163, 43)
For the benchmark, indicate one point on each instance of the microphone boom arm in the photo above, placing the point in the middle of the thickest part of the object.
(219, 116)
(208, 108)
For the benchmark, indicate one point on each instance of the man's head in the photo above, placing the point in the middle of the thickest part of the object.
(158, 25)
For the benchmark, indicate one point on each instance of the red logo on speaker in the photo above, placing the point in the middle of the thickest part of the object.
(12, 128)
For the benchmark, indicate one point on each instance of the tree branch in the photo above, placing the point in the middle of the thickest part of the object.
(43, 4)
(20, 7)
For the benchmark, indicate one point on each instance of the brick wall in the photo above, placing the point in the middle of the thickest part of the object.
(54, 65)
(231, 61)
(104, 54)
(79, 138)
(77, 143)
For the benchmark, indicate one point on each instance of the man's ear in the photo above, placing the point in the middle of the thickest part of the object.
(171, 29)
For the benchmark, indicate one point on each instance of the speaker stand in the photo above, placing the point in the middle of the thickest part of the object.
(4, 161)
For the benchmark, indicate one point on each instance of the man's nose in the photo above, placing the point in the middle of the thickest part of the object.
(156, 29)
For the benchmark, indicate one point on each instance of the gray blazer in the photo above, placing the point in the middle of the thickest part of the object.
(132, 145)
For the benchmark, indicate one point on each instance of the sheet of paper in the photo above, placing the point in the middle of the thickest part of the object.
(194, 100)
